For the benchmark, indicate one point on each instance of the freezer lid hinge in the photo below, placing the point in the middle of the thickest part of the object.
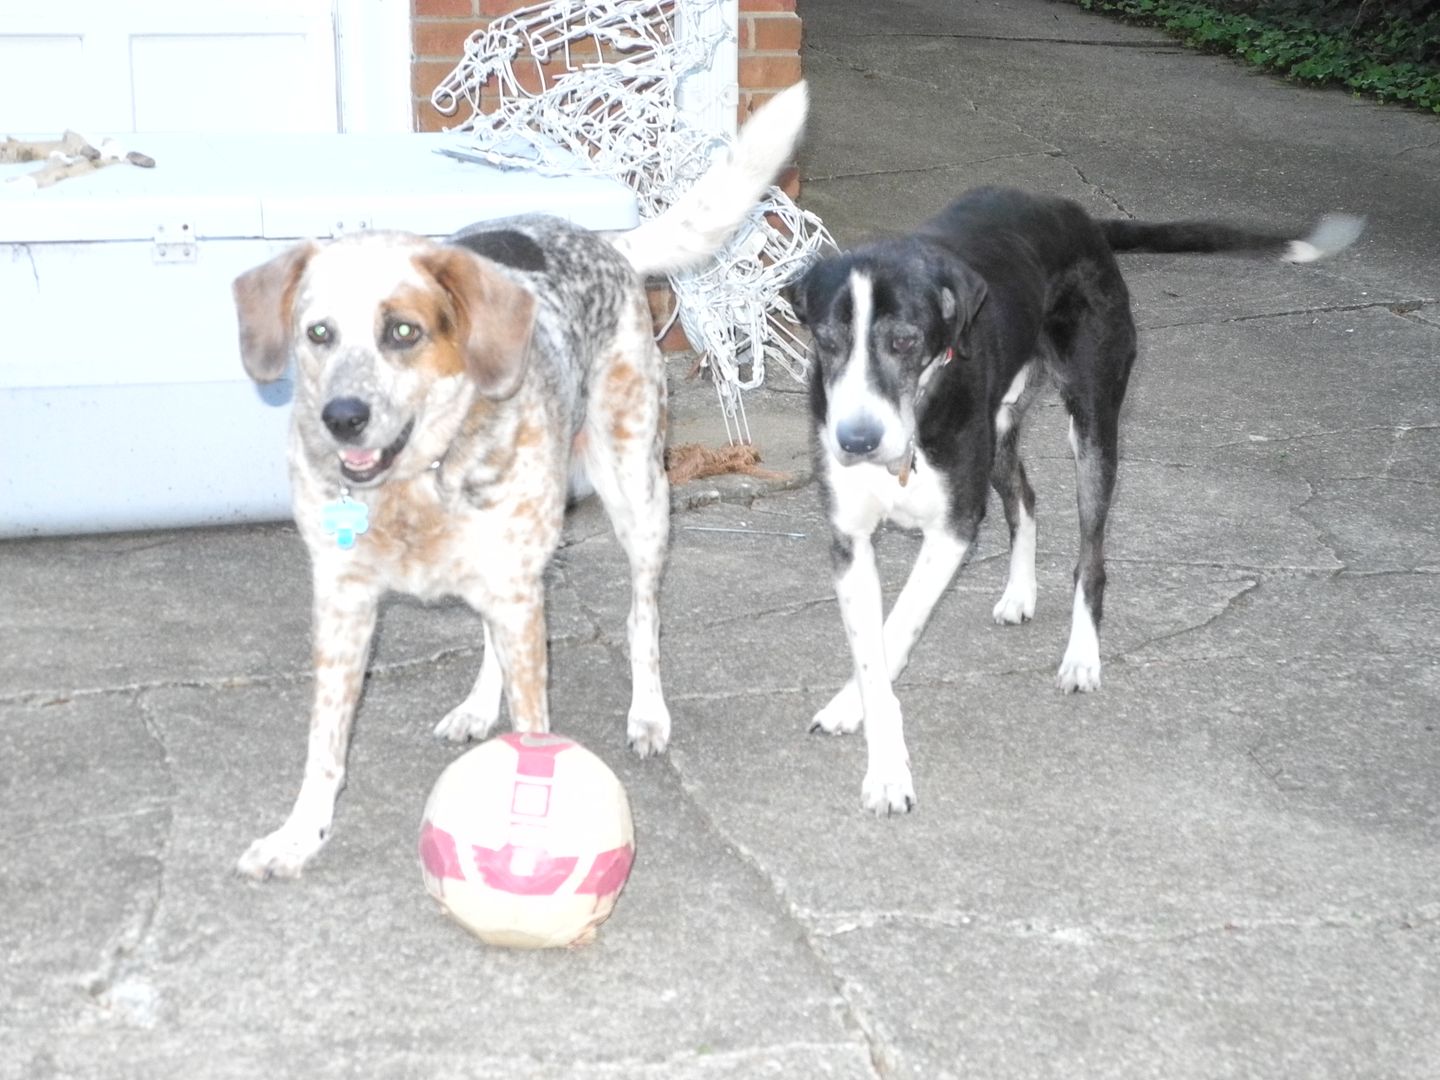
(350, 224)
(174, 242)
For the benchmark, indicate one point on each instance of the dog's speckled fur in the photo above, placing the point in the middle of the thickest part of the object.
(452, 388)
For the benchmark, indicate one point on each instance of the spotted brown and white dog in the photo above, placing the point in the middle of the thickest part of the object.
(444, 393)
(927, 351)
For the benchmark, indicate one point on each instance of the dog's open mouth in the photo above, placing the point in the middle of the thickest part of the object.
(362, 466)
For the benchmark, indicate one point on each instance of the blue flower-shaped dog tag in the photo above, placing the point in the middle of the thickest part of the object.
(346, 519)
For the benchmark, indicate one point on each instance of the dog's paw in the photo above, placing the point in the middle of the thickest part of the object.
(1016, 605)
(648, 728)
(466, 722)
(888, 789)
(282, 854)
(1080, 675)
(843, 715)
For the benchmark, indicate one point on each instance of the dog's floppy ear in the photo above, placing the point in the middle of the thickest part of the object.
(962, 291)
(495, 316)
(265, 304)
(794, 294)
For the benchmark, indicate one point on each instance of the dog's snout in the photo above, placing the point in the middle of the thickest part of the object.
(346, 417)
(859, 434)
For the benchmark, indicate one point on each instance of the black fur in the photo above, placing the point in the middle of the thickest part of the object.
(509, 247)
(1002, 279)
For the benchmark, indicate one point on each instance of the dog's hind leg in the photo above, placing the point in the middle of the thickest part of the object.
(1092, 335)
(1007, 477)
(624, 458)
(1093, 440)
(476, 715)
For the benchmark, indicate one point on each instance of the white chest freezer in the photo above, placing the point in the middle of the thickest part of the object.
(123, 404)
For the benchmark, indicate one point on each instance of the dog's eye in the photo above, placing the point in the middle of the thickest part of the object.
(904, 343)
(402, 333)
(320, 333)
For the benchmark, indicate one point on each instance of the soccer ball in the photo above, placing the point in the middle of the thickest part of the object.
(527, 841)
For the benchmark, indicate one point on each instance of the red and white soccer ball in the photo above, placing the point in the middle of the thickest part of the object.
(527, 841)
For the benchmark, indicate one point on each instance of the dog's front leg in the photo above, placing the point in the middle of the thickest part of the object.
(941, 555)
(476, 715)
(516, 626)
(887, 788)
(344, 623)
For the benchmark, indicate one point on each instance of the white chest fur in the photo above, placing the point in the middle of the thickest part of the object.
(864, 495)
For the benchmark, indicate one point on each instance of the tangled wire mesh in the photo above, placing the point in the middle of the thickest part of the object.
(594, 84)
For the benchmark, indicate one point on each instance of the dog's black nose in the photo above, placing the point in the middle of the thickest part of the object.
(346, 418)
(859, 434)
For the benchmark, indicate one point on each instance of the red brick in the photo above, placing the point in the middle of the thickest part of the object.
(769, 72)
(502, 7)
(675, 340)
(789, 182)
(749, 6)
(442, 9)
(584, 51)
(442, 39)
(534, 77)
(427, 119)
(662, 304)
(425, 75)
(775, 33)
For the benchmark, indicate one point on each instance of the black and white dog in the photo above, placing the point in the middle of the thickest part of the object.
(927, 351)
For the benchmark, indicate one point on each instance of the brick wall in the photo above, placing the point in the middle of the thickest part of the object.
(769, 61)
(769, 49)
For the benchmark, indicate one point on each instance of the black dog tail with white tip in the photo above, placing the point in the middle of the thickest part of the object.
(1334, 233)
(701, 221)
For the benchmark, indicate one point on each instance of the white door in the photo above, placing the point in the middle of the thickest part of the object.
(203, 65)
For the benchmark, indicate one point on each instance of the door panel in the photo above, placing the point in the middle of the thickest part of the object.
(158, 65)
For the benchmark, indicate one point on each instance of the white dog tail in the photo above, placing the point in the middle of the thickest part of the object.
(702, 219)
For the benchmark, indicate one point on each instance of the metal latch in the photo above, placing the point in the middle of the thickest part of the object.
(349, 225)
(174, 243)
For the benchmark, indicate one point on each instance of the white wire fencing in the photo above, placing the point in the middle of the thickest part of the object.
(593, 84)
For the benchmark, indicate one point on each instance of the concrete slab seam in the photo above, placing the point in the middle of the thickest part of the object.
(879, 1042)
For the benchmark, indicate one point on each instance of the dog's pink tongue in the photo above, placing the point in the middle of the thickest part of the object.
(360, 460)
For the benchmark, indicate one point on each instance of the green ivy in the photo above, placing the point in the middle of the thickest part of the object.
(1392, 57)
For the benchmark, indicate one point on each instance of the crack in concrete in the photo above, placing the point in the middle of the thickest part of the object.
(1414, 571)
(66, 825)
(1323, 309)
(1165, 46)
(798, 607)
(1323, 535)
(1238, 568)
(134, 933)
(617, 652)
(756, 1060)
(46, 697)
(1276, 776)
(1248, 587)
(836, 924)
(878, 1043)
(871, 73)
(1099, 189)
(920, 170)
(1396, 430)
